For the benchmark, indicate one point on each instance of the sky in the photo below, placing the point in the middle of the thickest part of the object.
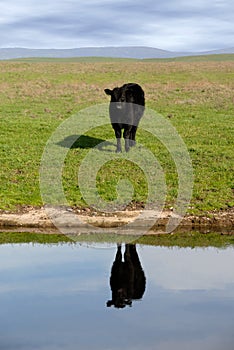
(176, 25)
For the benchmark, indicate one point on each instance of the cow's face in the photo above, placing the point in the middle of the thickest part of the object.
(120, 300)
(119, 96)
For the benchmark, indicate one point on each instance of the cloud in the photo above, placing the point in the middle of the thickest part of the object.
(172, 24)
(186, 269)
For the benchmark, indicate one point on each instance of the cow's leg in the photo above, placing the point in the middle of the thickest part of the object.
(118, 256)
(127, 255)
(132, 141)
(129, 271)
(118, 135)
(126, 135)
(118, 146)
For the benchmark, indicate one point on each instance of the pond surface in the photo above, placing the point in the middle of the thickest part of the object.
(55, 297)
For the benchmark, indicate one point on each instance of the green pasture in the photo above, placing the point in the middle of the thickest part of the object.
(196, 97)
(191, 239)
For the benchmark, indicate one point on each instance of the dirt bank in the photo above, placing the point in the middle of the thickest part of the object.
(36, 219)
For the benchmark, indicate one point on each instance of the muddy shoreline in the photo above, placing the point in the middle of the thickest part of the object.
(31, 219)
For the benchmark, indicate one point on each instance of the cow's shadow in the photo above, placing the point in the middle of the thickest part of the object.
(84, 142)
(127, 279)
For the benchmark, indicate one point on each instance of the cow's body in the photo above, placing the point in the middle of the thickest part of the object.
(126, 109)
(127, 278)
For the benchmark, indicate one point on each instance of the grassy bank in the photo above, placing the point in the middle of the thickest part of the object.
(197, 97)
(182, 240)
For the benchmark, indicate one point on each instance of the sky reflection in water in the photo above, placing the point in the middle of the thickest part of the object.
(54, 297)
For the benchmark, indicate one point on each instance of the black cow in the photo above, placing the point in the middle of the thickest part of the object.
(127, 279)
(126, 109)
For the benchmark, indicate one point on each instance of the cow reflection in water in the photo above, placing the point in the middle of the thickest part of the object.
(127, 279)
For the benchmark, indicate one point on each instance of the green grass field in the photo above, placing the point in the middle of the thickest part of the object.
(197, 95)
(179, 239)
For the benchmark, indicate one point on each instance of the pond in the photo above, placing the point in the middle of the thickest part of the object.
(58, 296)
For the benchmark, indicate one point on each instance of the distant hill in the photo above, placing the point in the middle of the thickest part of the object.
(138, 52)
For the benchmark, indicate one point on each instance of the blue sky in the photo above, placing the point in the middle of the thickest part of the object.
(177, 25)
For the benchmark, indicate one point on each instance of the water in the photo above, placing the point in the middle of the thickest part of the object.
(55, 297)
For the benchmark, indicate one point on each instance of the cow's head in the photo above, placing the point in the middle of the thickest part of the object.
(117, 96)
(121, 95)
(120, 299)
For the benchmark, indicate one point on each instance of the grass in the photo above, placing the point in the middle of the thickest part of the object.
(20, 237)
(90, 59)
(182, 240)
(197, 96)
(198, 58)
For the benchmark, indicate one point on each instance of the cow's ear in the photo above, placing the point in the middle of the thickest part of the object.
(108, 92)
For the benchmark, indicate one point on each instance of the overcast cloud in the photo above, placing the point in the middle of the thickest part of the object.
(178, 25)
